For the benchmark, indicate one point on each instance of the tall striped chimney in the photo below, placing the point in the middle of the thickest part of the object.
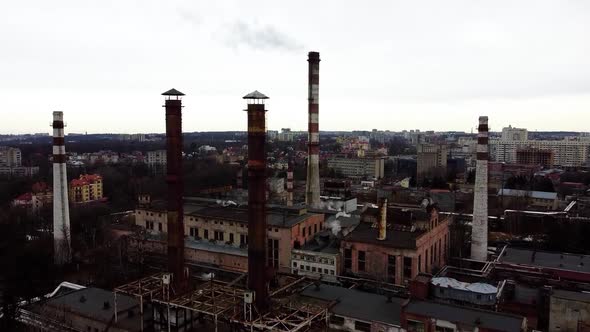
(174, 180)
(479, 231)
(383, 220)
(312, 191)
(257, 237)
(290, 184)
(61, 212)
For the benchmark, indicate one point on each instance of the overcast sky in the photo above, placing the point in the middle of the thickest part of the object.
(431, 65)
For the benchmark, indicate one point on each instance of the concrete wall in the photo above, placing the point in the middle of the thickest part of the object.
(566, 315)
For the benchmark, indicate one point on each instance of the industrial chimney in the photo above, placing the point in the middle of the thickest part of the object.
(479, 231)
(312, 192)
(257, 264)
(239, 178)
(61, 212)
(174, 180)
(383, 220)
(290, 184)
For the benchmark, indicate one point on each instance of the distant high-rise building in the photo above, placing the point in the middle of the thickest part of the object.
(571, 151)
(156, 158)
(431, 161)
(10, 157)
(358, 167)
(533, 156)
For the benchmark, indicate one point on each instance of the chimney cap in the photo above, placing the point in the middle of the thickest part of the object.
(172, 92)
(313, 56)
(255, 95)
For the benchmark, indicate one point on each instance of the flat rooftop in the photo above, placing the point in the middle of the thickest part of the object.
(553, 260)
(466, 316)
(396, 238)
(357, 304)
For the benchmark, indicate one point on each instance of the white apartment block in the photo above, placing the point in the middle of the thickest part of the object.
(156, 158)
(10, 157)
(358, 167)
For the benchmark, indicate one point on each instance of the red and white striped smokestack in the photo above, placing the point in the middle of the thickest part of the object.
(383, 220)
(174, 179)
(479, 232)
(61, 213)
(312, 192)
(290, 185)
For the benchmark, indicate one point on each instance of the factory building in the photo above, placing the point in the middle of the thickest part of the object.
(416, 240)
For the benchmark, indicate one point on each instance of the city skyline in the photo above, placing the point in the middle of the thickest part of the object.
(391, 66)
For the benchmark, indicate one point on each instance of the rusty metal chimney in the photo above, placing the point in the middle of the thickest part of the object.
(383, 220)
(479, 231)
(290, 184)
(239, 178)
(312, 191)
(61, 213)
(174, 179)
(257, 263)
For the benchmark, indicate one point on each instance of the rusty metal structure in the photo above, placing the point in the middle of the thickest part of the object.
(479, 233)
(174, 180)
(61, 212)
(312, 192)
(383, 220)
(257, 237)
(290, 184)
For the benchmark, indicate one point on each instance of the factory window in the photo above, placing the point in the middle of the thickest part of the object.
(361, 260)
(294, 264)
(231, 237)
(332, 272)
(218, 235)
(301, 267)
(432, 254)
(307, 267)
(243, 239)
(309, 230)
(444, 329)
(221, 222)
(194, 232)
(315, 228)
(313, 269)
(439, 253)
(215, 222)
(276, 229)
(426, 261)
(273, 253)
(303, 231)
(407, 267)
(231, 223)
(325, 271)
(391, 268)
(362, 326)
(415, 326)
(160, 226)
(348, 258)
(206, 234)
(419, 263)
(336, 320)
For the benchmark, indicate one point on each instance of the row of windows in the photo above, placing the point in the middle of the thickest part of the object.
(315, 229)
(321, 260)
(303, 267)
(217, 235)
(391, 264)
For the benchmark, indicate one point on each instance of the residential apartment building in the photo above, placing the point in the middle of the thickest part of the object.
(417, 240)
(572, 151)
(156, 158)
(217, 234)
(532, 156)
(10, 157)
(431, 161)
(358, 167)
(86, 189)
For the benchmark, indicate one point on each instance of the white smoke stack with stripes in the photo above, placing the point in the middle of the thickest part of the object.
(479, 230)
(61, 212)
(312, 192)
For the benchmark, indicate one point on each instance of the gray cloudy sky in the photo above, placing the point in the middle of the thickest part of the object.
(385, 64)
